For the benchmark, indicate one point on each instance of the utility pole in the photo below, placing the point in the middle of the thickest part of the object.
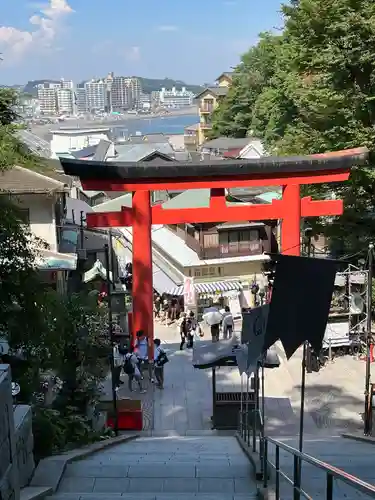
(111, 336)
(368, 402)
(308, 234)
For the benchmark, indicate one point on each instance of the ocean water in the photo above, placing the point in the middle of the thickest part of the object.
(167, 125)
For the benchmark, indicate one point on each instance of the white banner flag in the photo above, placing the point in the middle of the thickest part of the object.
(189, 292)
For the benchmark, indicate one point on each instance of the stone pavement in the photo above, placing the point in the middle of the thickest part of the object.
(164, 468)
(334, 396)
(185, 404)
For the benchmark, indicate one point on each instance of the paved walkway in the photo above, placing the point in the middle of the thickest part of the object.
(185, 404)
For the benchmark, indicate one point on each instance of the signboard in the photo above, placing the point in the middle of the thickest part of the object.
(189, 292)
(336, 334)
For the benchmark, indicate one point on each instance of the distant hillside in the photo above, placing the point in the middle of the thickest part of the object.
(31, 87)
(151, 84)
(148, 85)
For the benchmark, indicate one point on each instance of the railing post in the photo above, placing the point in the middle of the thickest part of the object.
(296, 477)
(329, 487)
(254, 431)
(265, 463)
(277, 465)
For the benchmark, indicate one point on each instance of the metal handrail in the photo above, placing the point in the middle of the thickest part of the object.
(299, 457)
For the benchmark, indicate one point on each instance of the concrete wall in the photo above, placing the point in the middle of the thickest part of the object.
(9, 483)
(16, 441)
(42, 216)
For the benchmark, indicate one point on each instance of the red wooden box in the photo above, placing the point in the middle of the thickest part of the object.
(128, 420)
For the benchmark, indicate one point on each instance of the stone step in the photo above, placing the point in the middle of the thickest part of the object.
(152, 496)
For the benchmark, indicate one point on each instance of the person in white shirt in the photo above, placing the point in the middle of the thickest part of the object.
(227, 323)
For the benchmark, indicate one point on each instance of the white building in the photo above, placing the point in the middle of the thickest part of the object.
(135, 87)
(47, 98)
(81, 99)
(73, 139)
(42, 202)
(175, 98)
(96, 95)
(65, 101)
(67, 84)
(120, 93)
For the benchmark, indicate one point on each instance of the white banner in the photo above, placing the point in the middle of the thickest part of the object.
(189, 292)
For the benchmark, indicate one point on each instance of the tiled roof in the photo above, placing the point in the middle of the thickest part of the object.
(192, 198)
(226, 143)
(218, 91)
(21, 180)
(137, 152)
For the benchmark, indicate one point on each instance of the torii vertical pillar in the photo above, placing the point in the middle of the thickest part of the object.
(291, 222)
(142, 268)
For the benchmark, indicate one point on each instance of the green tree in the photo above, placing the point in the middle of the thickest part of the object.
(12, 150)
(233, 118)
(319, 97)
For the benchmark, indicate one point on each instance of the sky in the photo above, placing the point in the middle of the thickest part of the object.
(193, 40)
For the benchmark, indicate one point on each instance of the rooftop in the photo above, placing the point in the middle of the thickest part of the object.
(80, 131)
(218, 91)
(20, 180)
(227, 143)
(138, 152)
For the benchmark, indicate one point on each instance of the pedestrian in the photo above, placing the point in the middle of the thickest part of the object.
(227, 323)
(183, 327)
(141, 350)
(193, 328)
(215, 332)
(118, 361)
(160, 359)
(131, 368)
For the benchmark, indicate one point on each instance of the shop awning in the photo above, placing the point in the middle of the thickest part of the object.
(213, 287)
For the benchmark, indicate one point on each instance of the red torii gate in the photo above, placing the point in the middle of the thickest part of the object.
(141, 178)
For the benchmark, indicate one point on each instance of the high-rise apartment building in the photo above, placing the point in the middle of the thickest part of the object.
(56, 98)
(120, 93)
(65, 101)
(96, 95)
(81, 98)
(135, 87)
(47, 98)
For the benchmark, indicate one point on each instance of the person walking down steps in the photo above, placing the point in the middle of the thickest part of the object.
(160, 359)
(131, 368)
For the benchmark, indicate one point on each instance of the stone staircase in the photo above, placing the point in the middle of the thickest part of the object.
(160, 468)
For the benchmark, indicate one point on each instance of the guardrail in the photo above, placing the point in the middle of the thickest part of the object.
(251, 429)
(330, 471)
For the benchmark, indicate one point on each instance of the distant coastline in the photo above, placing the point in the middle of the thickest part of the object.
(120, 122)
(171, 124)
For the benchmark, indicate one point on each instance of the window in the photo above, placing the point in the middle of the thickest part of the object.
(210, 240)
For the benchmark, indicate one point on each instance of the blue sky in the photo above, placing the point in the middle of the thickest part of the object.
(191, 40)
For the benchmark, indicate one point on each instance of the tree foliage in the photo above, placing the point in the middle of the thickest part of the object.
(12, 150)
(310, 90)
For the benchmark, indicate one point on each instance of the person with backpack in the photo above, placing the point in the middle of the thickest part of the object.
(160, 359)
(131, 368)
